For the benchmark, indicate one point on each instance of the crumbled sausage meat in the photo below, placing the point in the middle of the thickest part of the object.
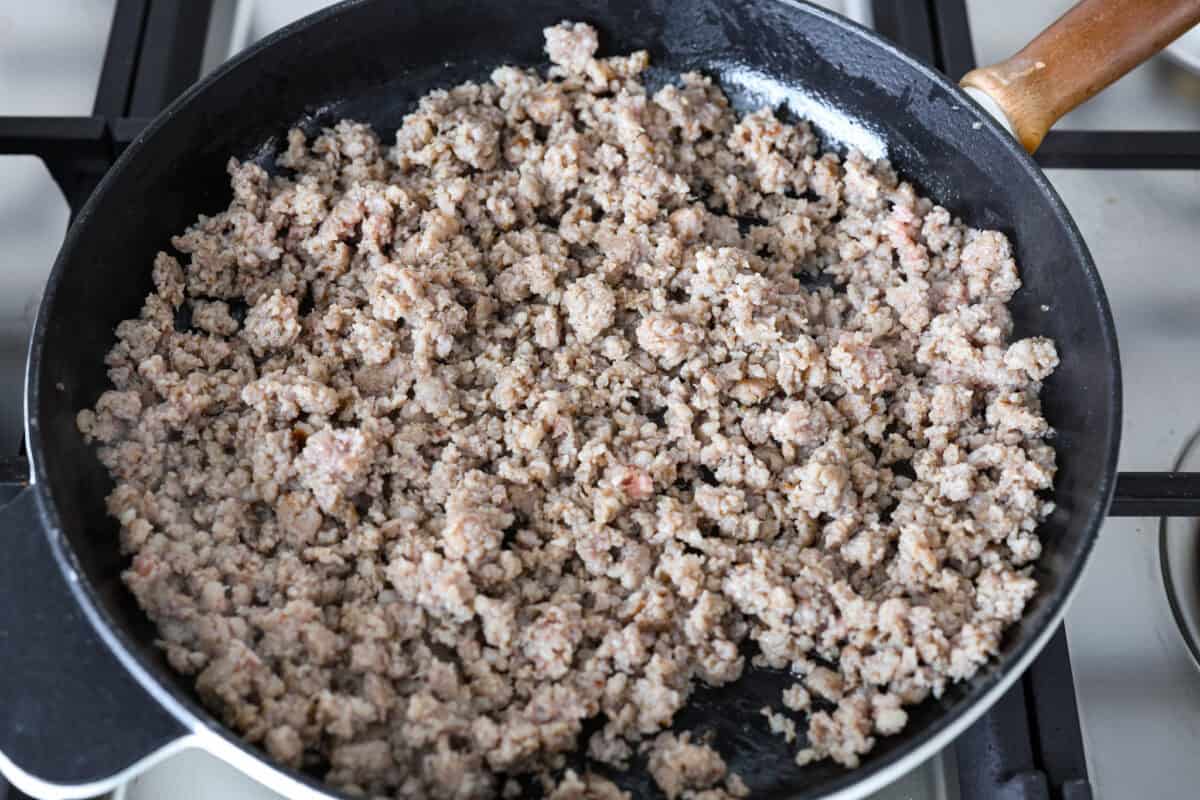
(534, 417)
(682, 768)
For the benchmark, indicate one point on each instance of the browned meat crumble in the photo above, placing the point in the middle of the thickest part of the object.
(529, 418)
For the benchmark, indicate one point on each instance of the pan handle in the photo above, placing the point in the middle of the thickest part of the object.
(1082, 52)
(74, 722)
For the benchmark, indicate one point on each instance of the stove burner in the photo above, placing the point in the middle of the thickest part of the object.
(1179, 555)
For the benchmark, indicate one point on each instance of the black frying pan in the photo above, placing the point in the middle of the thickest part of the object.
(86, 698)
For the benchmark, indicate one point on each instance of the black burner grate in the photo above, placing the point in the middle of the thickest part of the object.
(1029, 745)
(153, 53)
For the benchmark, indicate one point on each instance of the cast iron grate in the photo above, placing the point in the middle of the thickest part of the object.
(1029, 745)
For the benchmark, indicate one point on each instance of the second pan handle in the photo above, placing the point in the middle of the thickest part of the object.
(1082, 52)
(74, 722)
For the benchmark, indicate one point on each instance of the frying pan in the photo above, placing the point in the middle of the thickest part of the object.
(87, 701)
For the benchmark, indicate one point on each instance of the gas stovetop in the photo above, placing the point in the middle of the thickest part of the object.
(1114, 715)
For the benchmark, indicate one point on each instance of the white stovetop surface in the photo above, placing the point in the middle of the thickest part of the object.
(1138, 692)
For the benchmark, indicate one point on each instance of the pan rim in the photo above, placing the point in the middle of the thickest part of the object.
(874, 773)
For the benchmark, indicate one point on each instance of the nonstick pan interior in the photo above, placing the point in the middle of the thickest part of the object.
(372, 60)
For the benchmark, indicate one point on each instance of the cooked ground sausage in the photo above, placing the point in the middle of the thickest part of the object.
(550, 408)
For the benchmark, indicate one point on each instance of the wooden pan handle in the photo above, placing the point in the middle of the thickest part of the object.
(1082, 52)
